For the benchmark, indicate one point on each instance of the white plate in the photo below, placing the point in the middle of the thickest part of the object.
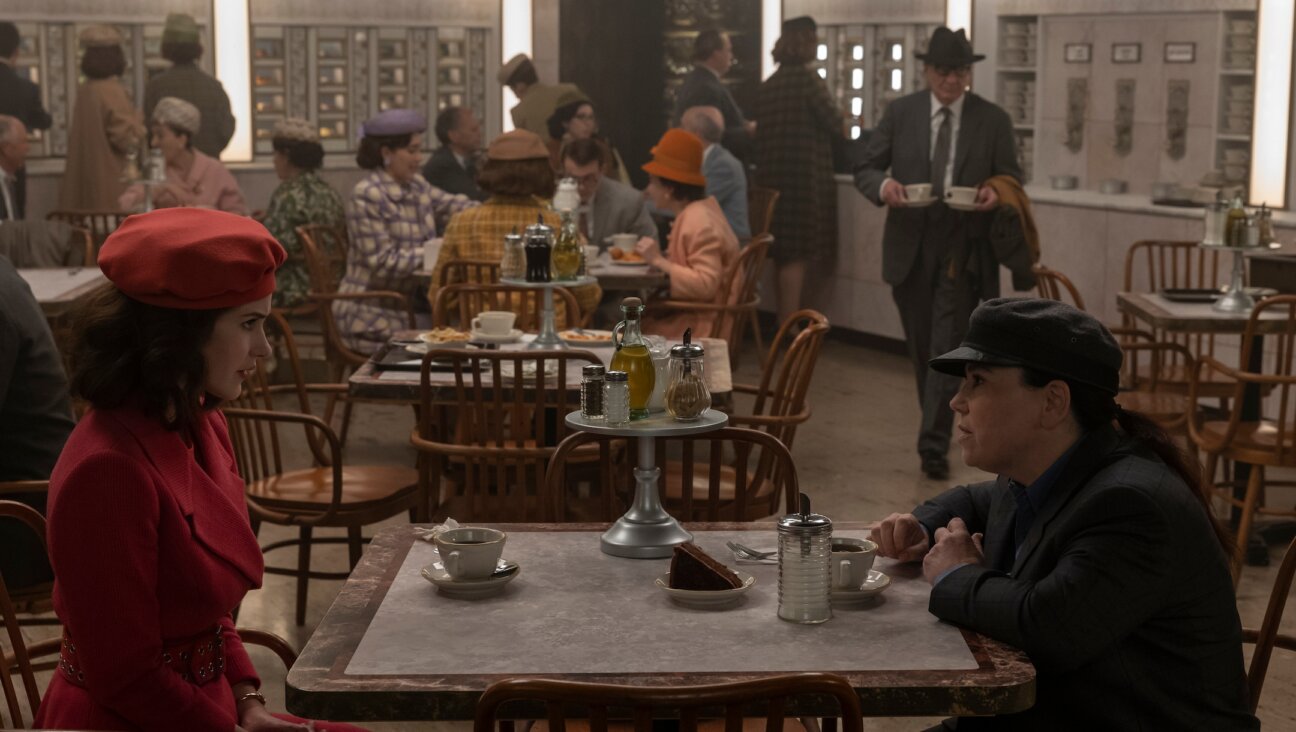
(619, 263)
(877, 583)
(466, 589)
(509, 337)
(921, 202)
(604, 337)
(706, 598)
(960, 206)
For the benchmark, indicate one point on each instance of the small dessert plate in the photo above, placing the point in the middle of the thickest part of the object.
(960, 206)
(508, 337)
(467, 589)
(706, 599)
(921, 202)
(619, 263)
(875, 585)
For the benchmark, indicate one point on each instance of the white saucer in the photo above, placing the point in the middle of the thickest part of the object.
(921, 202)
(466, 589)
(706, 599)
(876, 584)
(619, 263)
(960, 206)
(509, 337)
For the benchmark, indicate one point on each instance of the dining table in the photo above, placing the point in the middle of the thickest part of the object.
(57, 289)
(393, 647)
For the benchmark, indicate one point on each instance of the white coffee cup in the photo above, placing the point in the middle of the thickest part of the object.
(624, 242)
(850, 562)
(591, 254)
(470, 552)
(494, 322)
(431, 250)
(961, 195)
(918, 191)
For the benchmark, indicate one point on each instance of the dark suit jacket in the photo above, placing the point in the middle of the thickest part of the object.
(701, 87)
(21, 98)
(1120, 594)
(902, 144)
(444, 171)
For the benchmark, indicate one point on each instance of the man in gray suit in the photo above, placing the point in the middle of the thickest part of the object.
(703, 86)
(453, 166)
(607, 206)
(725, 177)
(947, 137)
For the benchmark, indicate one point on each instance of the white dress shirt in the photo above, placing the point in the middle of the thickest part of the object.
(956, 114)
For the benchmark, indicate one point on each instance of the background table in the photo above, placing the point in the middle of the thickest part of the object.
(617, 278)
(392, 648)
(58, 289)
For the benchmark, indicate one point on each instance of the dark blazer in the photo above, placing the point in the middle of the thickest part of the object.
(701, 87)
(901, 144)
(21, 98)
(1120, 594)
(444, 171)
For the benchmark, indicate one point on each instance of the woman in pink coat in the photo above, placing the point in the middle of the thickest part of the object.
(148, 531)
(701, 247)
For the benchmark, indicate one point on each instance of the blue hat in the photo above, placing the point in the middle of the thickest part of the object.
(394, 122)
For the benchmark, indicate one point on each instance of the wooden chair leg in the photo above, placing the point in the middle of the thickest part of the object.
(355, 544)
(1244, 526)
(346, 422)
(754, 320)
(303, 573)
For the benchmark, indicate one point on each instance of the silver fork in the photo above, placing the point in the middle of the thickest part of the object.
(747, 552)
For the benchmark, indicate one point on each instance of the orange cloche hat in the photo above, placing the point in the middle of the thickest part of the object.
(678, 157)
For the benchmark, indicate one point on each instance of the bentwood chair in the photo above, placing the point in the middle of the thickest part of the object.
(325, 248)
(323, 494)
(735, 302)
(599, 703)
(732, 474)
(99, 223)
(35, 602)
(508, 411)
(780, 399)
(17, 660)
(484, 271)
(1260, 441)
(760, 209)
(1268, 637)
(457, 304)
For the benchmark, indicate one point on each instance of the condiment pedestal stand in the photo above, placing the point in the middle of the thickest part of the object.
(646, 531)
(1236, 299)
(548, 337)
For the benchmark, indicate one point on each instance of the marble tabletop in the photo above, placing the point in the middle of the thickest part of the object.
(58, 288)
(393, 648)
(1192, 317)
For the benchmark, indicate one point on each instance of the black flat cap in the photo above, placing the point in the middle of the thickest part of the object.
(1044, 335)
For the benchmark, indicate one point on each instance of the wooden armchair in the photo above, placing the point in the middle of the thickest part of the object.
(550, 699)
(36, 600)
(324, 494)
(1268, 637)
(457, 304)
(490, 466)
(781, 404)
(736, 301)
(1259, 441)
(760, 208)
(484, 271)
(99, 223)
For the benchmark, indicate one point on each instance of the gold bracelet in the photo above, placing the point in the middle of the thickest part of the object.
(254, 694)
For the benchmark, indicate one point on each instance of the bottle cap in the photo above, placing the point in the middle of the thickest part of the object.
(631, 302)
(617, 376)
(592, 371)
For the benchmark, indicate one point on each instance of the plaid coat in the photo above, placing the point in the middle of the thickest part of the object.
(796, 121)
(388, 224)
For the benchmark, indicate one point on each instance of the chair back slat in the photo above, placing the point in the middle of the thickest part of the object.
(600, 702)
(21, 660)
(479, 271)
(760, 208)
(1053, 285)
(99, 223)
(1153, 265)
(785, 378)
(738, 293)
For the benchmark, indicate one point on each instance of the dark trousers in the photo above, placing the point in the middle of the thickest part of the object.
(934, 311)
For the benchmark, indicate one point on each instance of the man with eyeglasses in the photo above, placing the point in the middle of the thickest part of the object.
(607, 206)
(947, 137)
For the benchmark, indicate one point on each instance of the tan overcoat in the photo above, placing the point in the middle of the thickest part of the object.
(105, 126)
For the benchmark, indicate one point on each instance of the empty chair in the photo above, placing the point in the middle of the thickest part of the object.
(780, 399)
(1267, 637)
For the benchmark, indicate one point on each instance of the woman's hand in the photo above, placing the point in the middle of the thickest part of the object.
(255, 718)
(648, 248)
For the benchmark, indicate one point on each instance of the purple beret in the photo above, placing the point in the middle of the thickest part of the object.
(394, 122)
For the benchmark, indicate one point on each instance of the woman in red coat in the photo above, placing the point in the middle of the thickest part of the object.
(148, 533)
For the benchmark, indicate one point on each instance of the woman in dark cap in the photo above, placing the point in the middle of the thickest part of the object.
(574, 119)
(393, 213)
(796, 122)
(302, 198)
(148, 531)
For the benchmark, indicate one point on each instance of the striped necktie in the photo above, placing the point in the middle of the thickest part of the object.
(940, 154)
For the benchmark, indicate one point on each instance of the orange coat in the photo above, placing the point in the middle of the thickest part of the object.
(703, 248)
(149, 547)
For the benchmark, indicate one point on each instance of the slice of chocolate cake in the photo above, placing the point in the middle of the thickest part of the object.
(693, 569)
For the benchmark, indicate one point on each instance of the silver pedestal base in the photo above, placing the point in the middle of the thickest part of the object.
(646, 531)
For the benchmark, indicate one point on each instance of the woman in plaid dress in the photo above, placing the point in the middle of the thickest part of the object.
(393, 213)
(796, 121)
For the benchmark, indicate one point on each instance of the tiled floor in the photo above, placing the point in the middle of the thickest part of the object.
(855, 457)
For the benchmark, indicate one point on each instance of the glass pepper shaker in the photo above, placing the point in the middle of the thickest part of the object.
(513, 263)
(592, 381)
(805, 551)
(616, 399)
(687, 396)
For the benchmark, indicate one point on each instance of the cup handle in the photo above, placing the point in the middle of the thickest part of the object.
(476, 324)
(842, 574)
(451, 562)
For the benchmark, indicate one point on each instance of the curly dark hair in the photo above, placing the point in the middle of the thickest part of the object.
(103, 62)
(127, 352)
(682, 191)
(182, 52)
(302, 154)
(517, 178)
(562, 115)
(369, 156)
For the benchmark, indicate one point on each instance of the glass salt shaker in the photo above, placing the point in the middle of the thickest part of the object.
(592, 380)
(616, 400)
(513, 263)
(805, 551)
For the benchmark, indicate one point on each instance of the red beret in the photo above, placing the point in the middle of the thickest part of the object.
(192, 259)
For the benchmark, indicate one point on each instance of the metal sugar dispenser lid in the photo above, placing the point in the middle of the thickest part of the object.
(805, 524)
(805, 546)
(688, 351)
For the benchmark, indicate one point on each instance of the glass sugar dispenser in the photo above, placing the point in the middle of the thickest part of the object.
(805, 550)
(513, 263)
(687, 396)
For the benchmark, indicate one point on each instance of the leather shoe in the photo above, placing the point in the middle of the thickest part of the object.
(935, 467)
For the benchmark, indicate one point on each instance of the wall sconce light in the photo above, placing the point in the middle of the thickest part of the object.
(231, 36)
(1273, 79)
(515, 38)
(771, 27)
(958, 14)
